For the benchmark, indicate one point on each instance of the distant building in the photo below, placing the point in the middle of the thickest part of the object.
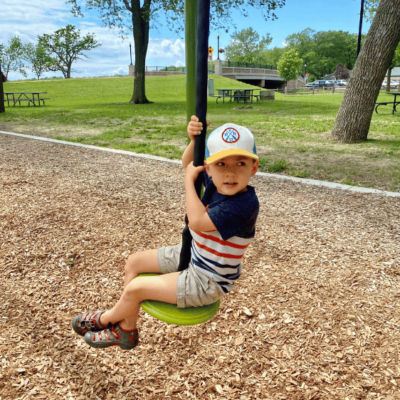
(341, 72)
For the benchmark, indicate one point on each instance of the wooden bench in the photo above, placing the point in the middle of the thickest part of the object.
(30, 97)
(218, 96)
(34, 101)
(385, 104)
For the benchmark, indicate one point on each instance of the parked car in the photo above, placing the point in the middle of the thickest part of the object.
(319, 83)
(393, 84)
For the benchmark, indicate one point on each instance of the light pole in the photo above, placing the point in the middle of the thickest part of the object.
(305, 70)
(218, 46)
(130, 51)
(360, 27)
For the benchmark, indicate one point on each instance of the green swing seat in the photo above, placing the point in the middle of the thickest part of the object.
(171, 314)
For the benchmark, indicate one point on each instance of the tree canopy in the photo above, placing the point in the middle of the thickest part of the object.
(246, 46)
(39, 59)
(66, 46)
(12, 56)
(322, 51)
(136, 15)
(290, 65)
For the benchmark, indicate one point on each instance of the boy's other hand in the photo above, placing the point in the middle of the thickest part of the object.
(195, 127)
(193, 172)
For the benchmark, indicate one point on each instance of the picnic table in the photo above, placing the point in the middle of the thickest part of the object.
(30, 97)
(394, 102)
(237, 95)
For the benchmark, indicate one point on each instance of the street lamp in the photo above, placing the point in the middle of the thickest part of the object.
(130, 50)
(305, 70)
(360, 27)
(218, 46)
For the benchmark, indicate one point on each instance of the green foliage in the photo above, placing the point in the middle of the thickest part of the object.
(396, 58)
(370, 7)
(279, 165)
(272, 56)
(289, 65)
(39, 59)
(322, 51)
(246, 46)
(12, 57)
(66, 46)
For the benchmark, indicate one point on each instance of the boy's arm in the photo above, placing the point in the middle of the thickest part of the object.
(188, 154)
(195, 209)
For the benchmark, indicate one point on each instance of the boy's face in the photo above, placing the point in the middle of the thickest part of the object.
(232, 174)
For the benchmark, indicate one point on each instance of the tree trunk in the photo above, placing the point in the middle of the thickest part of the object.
(389, 76)
(141, 28)
(2, 106)
(354, 116)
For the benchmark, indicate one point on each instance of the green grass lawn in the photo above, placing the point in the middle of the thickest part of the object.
(292, 132)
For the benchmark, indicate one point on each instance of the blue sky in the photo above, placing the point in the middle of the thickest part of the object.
(29, 18)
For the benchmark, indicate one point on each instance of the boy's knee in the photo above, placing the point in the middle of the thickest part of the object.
(134, 289)
(131, 262)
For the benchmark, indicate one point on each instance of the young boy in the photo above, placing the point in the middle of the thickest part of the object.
(222, 225)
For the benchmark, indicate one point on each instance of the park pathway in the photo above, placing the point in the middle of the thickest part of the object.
(314, 315)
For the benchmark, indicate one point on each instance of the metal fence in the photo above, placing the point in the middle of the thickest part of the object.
(163, 69)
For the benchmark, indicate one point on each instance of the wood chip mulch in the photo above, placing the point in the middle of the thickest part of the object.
(314, 315)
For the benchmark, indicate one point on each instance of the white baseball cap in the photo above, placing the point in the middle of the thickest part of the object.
(230, 140)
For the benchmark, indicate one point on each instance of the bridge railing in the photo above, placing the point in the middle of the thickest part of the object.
(172, 68)
(228, 63)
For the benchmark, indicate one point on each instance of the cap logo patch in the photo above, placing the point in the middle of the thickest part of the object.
(230, 135)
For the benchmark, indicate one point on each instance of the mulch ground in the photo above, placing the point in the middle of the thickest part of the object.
(314, 315)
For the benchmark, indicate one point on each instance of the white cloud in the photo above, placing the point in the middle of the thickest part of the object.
(120, 71)
(165, 48)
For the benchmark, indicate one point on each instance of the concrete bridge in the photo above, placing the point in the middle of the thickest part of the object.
(266, 78)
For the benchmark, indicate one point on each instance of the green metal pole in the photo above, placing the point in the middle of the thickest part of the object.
(190, 50)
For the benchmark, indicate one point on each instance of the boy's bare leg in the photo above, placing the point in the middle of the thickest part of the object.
(140, 263)
(126, 311)
(136, 264)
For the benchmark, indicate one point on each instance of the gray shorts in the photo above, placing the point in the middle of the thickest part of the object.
(193, 289)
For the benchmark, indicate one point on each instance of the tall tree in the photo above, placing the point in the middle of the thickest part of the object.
(12, 56)
(2, 107)
(246, 46)
(66, 46)
(136, 15)
(290, 65)
(39, 59)
(354, 116)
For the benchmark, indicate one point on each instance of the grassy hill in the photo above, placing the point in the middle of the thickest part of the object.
(292, 132)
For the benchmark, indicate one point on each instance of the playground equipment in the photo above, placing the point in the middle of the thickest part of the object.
(197, 25)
